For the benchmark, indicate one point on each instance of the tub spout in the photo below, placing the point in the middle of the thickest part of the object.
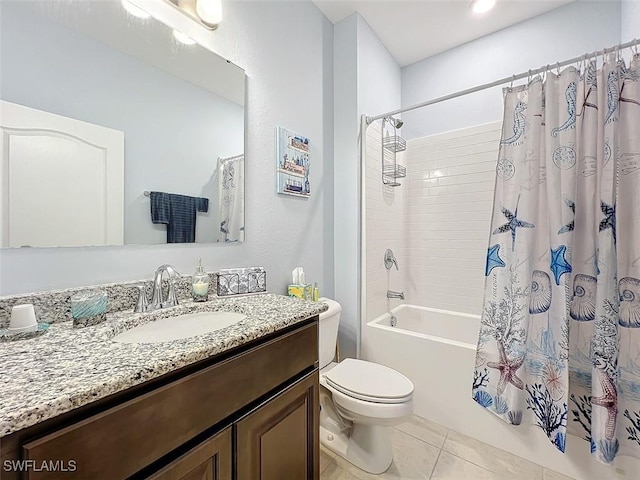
(392, 294)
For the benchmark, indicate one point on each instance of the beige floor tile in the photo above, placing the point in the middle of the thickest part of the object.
(551, 475)
(501, 463)
(424, 430)
(334, 472)
(325, 460)
(413, 459)
(450, 467)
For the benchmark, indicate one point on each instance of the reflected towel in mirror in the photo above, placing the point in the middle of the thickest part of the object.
(178, 212)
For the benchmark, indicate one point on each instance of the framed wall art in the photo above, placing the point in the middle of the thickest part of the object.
(292, 163)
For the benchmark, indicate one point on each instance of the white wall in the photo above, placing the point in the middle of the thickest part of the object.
(286, 50)
(367, 79)
(174, 130)
(630, 25)
(346, 181)
(566, 32)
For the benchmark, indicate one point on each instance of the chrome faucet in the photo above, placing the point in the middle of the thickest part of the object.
(157, 300)
(392, 294)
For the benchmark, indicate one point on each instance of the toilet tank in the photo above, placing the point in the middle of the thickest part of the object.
(328, 331)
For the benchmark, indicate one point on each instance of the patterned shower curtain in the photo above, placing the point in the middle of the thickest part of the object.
(231, 198)
(559, 343)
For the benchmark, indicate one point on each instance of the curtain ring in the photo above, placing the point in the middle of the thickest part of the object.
(558, 68)
(513, 78)
(634, 47)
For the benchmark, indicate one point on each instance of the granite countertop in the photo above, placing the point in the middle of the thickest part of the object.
(69, 367)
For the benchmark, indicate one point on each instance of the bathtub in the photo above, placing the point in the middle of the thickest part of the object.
(436, 349)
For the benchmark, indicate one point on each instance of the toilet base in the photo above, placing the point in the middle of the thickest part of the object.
(368, 447)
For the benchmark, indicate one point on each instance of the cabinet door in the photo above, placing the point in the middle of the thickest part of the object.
(280, 439)
(211, 460)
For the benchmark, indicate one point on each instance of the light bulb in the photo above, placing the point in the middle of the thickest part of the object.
(209, 11)
(135, 10)
(482, 6)
(183, 38)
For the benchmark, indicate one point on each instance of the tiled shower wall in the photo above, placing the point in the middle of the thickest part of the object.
(447, 219)
(437, 222)
(384, 219)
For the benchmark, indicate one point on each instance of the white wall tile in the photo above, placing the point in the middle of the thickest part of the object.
(448, 215)
(437, 222)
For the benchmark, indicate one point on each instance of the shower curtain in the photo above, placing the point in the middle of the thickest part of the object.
(231, 201)
(559, 342)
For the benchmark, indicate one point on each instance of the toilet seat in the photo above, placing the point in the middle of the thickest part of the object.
(366, 412)
(369, 382)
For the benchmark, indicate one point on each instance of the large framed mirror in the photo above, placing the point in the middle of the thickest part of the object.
(113, 131)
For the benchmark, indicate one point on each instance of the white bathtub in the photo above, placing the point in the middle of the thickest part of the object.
(436, 349)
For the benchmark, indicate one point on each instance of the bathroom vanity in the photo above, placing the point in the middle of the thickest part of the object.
(248, 411)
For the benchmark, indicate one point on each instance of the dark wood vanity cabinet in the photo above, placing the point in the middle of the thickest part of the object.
(251, 414)
(278, 440)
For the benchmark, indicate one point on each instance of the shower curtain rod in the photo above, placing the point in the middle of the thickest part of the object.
(512, 78)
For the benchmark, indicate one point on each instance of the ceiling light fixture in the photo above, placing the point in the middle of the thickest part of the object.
(135, 10)
(183, 38)
(482, 6)
(209, 11)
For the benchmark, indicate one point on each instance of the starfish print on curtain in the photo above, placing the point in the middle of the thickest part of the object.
(493, 259)
(513, 223)
(508, 370)
(569, 226)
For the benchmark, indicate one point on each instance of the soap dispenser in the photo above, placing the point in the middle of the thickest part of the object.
(200, 283)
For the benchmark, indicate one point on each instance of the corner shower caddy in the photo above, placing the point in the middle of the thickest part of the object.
(391, 145)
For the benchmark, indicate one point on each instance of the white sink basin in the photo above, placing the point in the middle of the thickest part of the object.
(179, 327)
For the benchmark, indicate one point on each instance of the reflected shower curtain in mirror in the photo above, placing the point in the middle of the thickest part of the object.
(231, 201)
(559, 342)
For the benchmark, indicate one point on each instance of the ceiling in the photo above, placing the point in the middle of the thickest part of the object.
(415, 29)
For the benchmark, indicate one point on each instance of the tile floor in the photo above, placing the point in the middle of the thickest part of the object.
(426, 450)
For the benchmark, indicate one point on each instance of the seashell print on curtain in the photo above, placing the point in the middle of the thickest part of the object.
(559, 343)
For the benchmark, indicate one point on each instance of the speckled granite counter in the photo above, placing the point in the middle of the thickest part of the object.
(67, 368)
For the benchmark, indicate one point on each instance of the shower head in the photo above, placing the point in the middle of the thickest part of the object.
(396, 122)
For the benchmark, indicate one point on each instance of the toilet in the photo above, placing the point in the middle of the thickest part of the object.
(359, 401)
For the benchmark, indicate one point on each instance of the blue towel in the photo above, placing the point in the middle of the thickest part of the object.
(178, 212)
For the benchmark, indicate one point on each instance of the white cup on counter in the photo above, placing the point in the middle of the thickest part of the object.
(23, 319)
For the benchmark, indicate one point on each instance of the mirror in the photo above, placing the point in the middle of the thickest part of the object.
(113, 132)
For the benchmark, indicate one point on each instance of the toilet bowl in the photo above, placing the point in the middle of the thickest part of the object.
(359, 401)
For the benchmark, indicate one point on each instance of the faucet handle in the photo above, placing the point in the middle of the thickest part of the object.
(390, 259)
(172, 299)
(142, 305)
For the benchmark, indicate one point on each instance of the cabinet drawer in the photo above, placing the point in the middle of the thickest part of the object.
(120, 441)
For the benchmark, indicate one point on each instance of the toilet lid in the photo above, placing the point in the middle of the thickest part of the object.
(370, 381)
